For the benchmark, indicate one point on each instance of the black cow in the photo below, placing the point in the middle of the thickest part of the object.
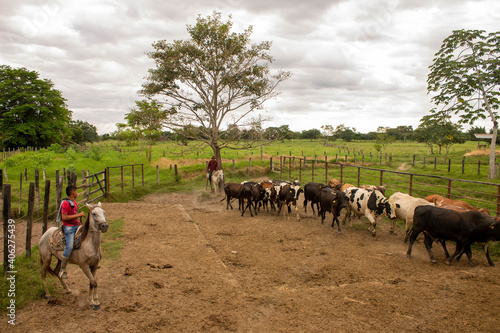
(252, 193)
(311, 193)
(231, 190)
(331, 201)
(465, 228)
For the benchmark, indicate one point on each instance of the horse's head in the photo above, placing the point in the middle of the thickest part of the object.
(97, 219)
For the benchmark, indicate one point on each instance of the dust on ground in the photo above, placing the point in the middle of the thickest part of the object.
(190, 265)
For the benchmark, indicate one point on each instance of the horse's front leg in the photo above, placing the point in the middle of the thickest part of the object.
(94, 297)
(92, 283)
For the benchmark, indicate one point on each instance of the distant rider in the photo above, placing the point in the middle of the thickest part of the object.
(211, 167)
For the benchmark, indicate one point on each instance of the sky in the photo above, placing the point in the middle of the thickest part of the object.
(360, 63)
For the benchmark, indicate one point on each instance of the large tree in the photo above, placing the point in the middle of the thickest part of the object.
(147, 120)
(32, 112)
(211, 76)
(465, 78)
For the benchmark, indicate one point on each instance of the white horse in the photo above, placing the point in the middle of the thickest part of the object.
(217, 177)
(87, 256)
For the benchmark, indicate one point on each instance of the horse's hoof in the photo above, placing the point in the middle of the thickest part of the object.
(48, 297)
(340, 232)
(95, 306)
(69, 292)
(435, 262)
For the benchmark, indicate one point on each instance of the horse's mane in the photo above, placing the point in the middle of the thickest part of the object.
(86, 227)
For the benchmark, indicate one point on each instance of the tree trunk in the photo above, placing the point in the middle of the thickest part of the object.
(491, 170)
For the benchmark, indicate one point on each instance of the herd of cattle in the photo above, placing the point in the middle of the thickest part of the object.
(440, 219)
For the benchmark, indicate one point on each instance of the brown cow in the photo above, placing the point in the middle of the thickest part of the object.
(335, 184)
(439, 200)
(231, 190)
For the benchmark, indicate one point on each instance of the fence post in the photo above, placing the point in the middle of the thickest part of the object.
(20, 193)
(176, 173)
(381, 177)
(59, 185)
(424, 161)
(142, 171)
(326, 169)
(498, 202)
(250, 165)
(29, 224)
(411, 184)
(449, 165)
(359, 176)
(300, 169)
(312, 172)
(290, 169)
(478, 167)
(46, 205)
(107, 183)
(133, 176)
(448, 195)
(234, 165)
(121, 173)
(336, 159)
(6, 206)
(435, 162)
(5, 174)
(261, 154)
(463, 165)
(25, 175)
(341, 173)
(157, 176)
(281, 167)
(37, 189)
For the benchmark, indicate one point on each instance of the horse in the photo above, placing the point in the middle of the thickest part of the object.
(217, 177)
(87, 256)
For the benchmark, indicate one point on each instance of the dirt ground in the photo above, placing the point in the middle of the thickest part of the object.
(189, 265)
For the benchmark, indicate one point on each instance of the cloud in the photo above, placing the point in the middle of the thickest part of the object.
(362, 63)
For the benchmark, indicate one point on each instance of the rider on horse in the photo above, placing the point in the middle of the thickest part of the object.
(211, 167)
(69, 215)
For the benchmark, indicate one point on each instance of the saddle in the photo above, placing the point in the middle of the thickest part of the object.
(58, 240)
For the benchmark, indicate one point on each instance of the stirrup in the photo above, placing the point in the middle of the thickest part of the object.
(63, 275)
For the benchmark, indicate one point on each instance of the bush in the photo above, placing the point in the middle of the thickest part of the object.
(56, 148)
(94, 153)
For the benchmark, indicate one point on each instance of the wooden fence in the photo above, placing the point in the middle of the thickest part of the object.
(479, 194)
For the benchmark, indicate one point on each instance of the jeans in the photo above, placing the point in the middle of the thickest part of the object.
(69, 232)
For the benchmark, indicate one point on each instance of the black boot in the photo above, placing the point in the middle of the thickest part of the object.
(62, 273)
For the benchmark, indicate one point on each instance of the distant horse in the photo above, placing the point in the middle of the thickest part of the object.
(87, 256)
(217, 177)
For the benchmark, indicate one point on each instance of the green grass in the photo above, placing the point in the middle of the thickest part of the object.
(112, 242)
(28, 283)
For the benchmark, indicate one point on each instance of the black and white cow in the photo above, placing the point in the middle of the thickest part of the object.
(371, 204)
(288, 196)
(464, 228)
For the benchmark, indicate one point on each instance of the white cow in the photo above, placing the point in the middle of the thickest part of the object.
(371, 204)
(405, 208)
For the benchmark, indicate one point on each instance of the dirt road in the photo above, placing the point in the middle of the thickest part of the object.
(188, 265)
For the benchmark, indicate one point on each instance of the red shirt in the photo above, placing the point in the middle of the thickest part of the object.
(66, 209)
(212, 165)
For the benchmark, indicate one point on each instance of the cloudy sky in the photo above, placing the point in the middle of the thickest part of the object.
(361, 63)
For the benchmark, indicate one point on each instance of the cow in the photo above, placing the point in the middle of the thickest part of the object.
(331, 201)
(231, 190)
(439, 200)
(271, 195)
(311, 193)
(405, 207)
(287, 196)
(464, 228)
(335, 184)
(380, 188)
(252, 193)
(371, 204)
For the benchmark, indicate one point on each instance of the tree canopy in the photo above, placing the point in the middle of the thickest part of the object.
(211, 76)
(32, 112)
(465, 78)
